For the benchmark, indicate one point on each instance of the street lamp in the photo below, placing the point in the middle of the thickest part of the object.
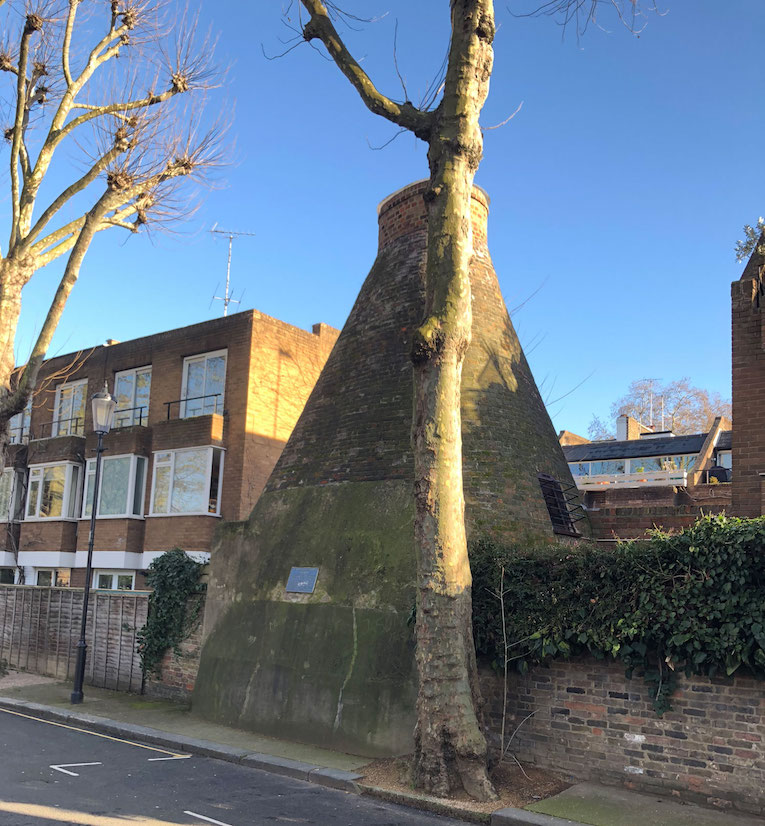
(104, 405)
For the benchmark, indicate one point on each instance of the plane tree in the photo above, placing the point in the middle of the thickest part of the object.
(450, 748)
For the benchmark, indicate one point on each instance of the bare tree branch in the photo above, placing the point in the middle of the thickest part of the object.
(403, 114)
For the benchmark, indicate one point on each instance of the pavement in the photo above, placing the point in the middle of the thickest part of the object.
(172, 726)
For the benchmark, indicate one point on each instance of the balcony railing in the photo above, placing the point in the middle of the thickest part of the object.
(60, 427)
(654, 478)
(130, 416)
(18, 435)
(193, 406)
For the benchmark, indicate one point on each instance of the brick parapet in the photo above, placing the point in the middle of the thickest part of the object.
(405, 212)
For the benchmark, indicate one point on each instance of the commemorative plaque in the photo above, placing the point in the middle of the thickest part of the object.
(302, 580)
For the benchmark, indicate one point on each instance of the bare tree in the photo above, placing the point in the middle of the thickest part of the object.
(449, 741)
(101, 81)
(674, 405)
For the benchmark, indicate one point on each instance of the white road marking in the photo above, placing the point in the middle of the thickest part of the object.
(208, 819)
(61, 767)
(177, 757)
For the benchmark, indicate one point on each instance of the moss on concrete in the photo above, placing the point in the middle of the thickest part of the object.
(297, 671)
(284, 664)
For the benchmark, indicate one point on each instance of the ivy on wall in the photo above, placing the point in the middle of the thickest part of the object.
(175, 604)
(692, 602)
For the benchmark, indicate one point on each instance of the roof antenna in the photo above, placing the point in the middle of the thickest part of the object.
(226, 297)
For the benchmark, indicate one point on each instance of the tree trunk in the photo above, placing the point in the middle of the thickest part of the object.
(11, 281)
(450, 745)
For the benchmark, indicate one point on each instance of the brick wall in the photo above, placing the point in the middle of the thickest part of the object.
(49, 535)
(628, 513)
(178, 670)
(593, 724)
(748, 384)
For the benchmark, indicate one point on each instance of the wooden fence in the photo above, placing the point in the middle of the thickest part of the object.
(40, 628)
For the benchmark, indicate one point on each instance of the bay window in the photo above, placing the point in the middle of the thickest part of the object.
(187, 481)
(54, 491)
(132, 389)
(121, 491)
(204, 380)
(71, 399)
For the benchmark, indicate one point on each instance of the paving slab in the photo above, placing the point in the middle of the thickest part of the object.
(598, 805)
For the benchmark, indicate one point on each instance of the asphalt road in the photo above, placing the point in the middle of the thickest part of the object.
(128, 781)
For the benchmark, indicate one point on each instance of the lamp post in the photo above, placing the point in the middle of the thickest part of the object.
(104, 405)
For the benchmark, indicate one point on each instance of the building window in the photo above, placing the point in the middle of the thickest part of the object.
(608, 467)
(70, 409)
(579, 468)
(11, 495)
(204, 380)
(187, 481)
(54, 491)
(114, 580)
(651, 464)
(7, 576)
(561, 505)
(47, 578)
(19, 426)
(725, 459)
(122, 487)
(132, 389)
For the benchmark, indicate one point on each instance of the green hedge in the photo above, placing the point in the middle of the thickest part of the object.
(692, 602)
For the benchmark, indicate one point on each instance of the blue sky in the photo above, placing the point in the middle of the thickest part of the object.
(618, 191)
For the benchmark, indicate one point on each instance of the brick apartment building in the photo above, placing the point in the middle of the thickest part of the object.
(202, 415)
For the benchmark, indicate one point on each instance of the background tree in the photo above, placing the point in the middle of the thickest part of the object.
(675, 405)
(449, 742)
(99, 83)
(753, 240)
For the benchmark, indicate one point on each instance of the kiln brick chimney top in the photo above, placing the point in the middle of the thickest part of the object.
(404, 212)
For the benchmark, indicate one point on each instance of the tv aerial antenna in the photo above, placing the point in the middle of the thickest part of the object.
(227, 298)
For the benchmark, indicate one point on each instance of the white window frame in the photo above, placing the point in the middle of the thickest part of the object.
(53, 577)
(13, 570)
(186, 362)
(114, 574)
(16, 500)
(72, 497)
(57, 414)
(91, 463)
(208, 479)
(725, 453)
(134, 372)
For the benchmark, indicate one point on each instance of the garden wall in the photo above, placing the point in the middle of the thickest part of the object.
(594, 724)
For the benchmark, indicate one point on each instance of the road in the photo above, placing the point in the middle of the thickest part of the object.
(119, 780)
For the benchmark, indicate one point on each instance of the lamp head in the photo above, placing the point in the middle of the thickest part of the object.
(104, 405)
